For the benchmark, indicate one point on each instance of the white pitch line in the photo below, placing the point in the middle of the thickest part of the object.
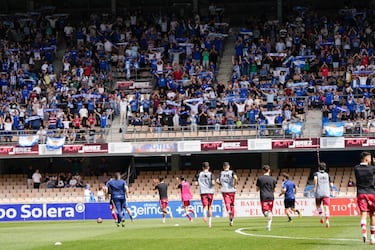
(240, 231)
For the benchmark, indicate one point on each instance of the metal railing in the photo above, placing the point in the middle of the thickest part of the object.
(209, 132)
(72, 136)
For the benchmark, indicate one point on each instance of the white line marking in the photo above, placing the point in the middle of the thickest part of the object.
(240, 231)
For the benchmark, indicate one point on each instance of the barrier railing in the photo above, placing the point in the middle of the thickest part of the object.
(140, 133)
(72, 136)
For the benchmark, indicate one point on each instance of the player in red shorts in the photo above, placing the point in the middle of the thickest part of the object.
(323, 187)
(206, 182)
(364, 174)
(228, 181)
(162, 188)
(186, 196)
(266, 184)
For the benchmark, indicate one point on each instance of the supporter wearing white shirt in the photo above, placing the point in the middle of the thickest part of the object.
(249, 101)
(44, 67)
(287, 114)
(108, 46)
(240, 108)
(37, 89)
(123, 104)
(280, 47)
(36, 177)
(193, 106)
(362, 80)
(68, 30)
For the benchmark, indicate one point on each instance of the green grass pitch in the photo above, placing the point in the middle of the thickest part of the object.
(304, 233)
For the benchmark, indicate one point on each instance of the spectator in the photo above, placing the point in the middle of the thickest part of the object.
(36, 177)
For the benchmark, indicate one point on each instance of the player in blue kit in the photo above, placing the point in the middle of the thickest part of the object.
(289, 190)
(117, 188)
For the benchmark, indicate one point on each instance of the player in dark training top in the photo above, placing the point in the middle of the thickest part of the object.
(117, 188)
(364, 174)
(266, 184)
(162, 188)
(289, 190)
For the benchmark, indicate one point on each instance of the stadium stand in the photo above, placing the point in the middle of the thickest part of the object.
(13, 188)
(279, 71)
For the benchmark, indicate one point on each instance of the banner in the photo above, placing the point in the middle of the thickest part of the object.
(252, 207)
(359, 142)
(224, 145)
(94, 148)
(72, 149)
(338, 207)
(332, 142)
(119, 147)
(53, 143)
(91, 211)
(296, 143)
(28, 140)
(189, 146)
(85, 148)
(344, 207)
(154, 147)
(122, 85)
(333, 128)
(43, 150)
(6, 150)
(259, 144)
(34, 150)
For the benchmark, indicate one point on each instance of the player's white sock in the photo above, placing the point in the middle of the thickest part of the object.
(372, 232)
(269, 219)
(204, 213)
(209, 221)
(163, 220)
(363, 227)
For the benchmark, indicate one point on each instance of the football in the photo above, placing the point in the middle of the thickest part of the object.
(99, 220)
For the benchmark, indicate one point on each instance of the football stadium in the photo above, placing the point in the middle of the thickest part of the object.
(187, 124)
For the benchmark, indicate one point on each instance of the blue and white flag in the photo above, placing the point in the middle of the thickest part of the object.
(333, 128)
(53, 143)
(295, 128)
(28, 140)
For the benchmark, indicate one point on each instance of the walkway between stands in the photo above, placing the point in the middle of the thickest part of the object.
(313, 124)
(226, 66)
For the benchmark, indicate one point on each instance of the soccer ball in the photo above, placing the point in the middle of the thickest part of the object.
(99, 220)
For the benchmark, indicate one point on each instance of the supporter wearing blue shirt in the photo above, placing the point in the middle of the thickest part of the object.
(103, 120)
(251, 115)
(350, 104)
(146, 103)
(197, 54)
(334, 112)
(329, 97)
(162, 83)
(79, 105)
(90, 105)
(134, 105)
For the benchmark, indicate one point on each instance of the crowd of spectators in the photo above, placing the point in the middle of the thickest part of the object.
(279, 69)
(315, 60)
(77, 100)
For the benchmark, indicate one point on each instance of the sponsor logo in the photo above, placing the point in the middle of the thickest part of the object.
(35, 212)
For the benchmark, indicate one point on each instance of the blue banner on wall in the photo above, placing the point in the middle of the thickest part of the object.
(90, 211)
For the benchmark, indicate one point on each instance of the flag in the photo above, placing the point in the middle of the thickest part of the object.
(55, 143)
(334, 129)
(295, 128)
(28, 140)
